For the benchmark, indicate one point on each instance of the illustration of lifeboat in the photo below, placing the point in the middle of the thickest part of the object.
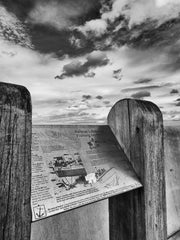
(66, 166)
(72, 172)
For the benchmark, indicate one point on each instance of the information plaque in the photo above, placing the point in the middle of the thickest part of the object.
(76, 165)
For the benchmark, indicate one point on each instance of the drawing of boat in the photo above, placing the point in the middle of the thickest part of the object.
(71, 172)
(68, 166)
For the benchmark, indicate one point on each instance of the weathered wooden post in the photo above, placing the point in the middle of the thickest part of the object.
(140, 214)
(15, 162)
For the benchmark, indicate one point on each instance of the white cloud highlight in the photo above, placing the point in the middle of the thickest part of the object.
(161, 3)
(57, 13)
(138, 11)
(96, 26)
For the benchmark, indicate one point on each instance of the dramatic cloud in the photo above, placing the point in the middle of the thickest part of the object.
(77, 68)
(137, 12)
(12, 29)
(143, 80)
(40, 39)
(141, 94)
(138, 24)
(60, 14)
(47, 25)
(20, 8)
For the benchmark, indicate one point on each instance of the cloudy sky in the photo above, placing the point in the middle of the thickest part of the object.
(78, 57)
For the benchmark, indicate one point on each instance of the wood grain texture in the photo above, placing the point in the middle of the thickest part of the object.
(172, 166)
(140, 214)
(84, 223)
(15, 162)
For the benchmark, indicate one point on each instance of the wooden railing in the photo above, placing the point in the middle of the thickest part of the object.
(136, 215)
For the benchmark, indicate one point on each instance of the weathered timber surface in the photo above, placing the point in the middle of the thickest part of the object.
(172, 166)
(15, 162)
(140, 214)
(84, 223)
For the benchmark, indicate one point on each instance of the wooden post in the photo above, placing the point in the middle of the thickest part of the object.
(140, 214)
(15, 162)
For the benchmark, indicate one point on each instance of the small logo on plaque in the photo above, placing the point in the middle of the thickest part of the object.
(39, 211)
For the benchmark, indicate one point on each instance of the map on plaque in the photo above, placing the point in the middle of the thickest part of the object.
(76, 165)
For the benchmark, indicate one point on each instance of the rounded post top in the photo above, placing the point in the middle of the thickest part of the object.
(145, 106)
(15, 95)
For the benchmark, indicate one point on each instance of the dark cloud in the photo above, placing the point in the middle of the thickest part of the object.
(143, 80)
(174, 91)
(47, 24)
(178, 100)
(144, 88)
(20, 8)
(79, 10)
(86, 97)
(141, 94)
(13, 29)
(106, 102)
(149, 34)
(59, 77)
(46, 39)
(117, 74)
(99, 97)
(178, 104)
(77, 68)
(51, 35)
(143, 35)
